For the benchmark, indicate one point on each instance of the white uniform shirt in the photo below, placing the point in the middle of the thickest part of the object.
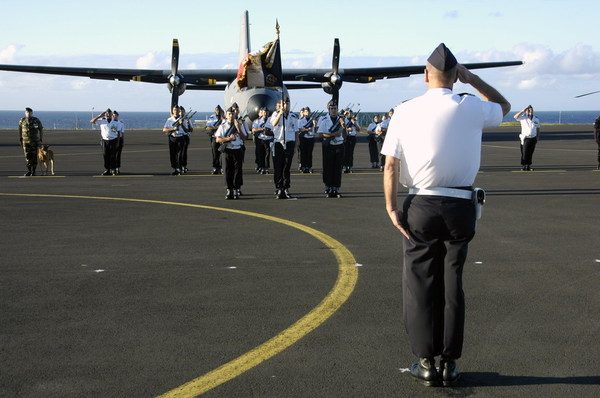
(437, 138)
(169, 125)
(222, 131)
(372, 127)
(291, 126)
(529, 127)
(325, 124)
(354, 130)
(120, 127)
(302, 124)
(108, 130)
(260, 123)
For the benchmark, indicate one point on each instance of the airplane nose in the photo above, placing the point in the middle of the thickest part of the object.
(258, 101)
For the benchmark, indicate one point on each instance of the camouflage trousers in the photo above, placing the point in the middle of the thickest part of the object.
(30, 149)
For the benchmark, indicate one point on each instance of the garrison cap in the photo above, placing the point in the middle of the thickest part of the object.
(442, 58)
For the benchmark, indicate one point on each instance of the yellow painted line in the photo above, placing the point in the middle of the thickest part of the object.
(337, 296)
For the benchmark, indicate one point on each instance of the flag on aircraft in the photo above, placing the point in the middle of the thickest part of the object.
(261, 68)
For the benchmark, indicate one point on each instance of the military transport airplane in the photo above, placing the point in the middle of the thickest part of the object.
(252, 97)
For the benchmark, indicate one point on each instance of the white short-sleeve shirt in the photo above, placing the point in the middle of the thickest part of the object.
(291, 126)
(437, 138)
(108, 130)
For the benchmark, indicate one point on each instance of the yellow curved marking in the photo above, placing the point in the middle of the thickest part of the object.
(337, 296)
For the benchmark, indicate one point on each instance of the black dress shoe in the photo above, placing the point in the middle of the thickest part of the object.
(279, 194)
(229, 194)
(450, 374)
(287, 194)
(424, 372)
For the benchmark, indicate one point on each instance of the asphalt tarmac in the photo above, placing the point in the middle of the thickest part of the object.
(147, 284)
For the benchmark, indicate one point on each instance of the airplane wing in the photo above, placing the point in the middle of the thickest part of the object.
(370, 75)
(205, 78)
(194, 77)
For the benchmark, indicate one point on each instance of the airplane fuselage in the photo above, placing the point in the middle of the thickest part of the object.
(251, 99)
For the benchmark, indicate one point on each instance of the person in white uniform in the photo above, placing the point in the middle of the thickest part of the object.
(120, 141)
(231, 134)
(530, 132)
(110, 135)
(433, 147)
(285, 131)
(332, 131)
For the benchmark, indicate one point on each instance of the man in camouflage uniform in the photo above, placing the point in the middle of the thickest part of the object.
(30, 135)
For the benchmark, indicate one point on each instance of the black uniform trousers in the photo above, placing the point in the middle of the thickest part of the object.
(263, 151)
(186, 144)
(373, 150)
(282, 163)
(120, 144)
(379, 146)
(176, 150)
(306, 151)
(433, 299)
(234, 160)
(527, 148)
(216, 155)
(349, 144)
(109, 152)
(333, 156)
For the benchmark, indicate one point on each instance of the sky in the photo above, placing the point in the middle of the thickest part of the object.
(557, 39)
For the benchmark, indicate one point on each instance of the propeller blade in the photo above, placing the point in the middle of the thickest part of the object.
(175, 57)
(335, 62)
(583, 95)
(174, 77)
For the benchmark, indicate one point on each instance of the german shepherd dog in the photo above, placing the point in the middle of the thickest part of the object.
(46, 159)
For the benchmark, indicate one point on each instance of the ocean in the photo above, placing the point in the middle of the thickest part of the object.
(78, 120)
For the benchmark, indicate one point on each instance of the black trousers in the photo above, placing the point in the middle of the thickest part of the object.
(282, 163)
(379, 146)
(263, 151)
(333, 156)
(234, 159)
(176, 147)
(527, 148)
(373, 150)
(109, 152)
(349, 144)
(433, 299)
(186, 144)
(306, 151)
(120, 144)
(216, 155)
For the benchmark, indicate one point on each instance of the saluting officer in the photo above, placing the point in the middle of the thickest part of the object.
(31, 138)
(285, 130)
(120, 141)
(437, 157)
(110, 135)
(332, 131)
(188, 128)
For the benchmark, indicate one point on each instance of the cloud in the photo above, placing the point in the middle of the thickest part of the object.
(7, 55)
(147, 61)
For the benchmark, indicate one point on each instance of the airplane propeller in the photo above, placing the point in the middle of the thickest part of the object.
(334, 79)
(176, 83)
(583, 95)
